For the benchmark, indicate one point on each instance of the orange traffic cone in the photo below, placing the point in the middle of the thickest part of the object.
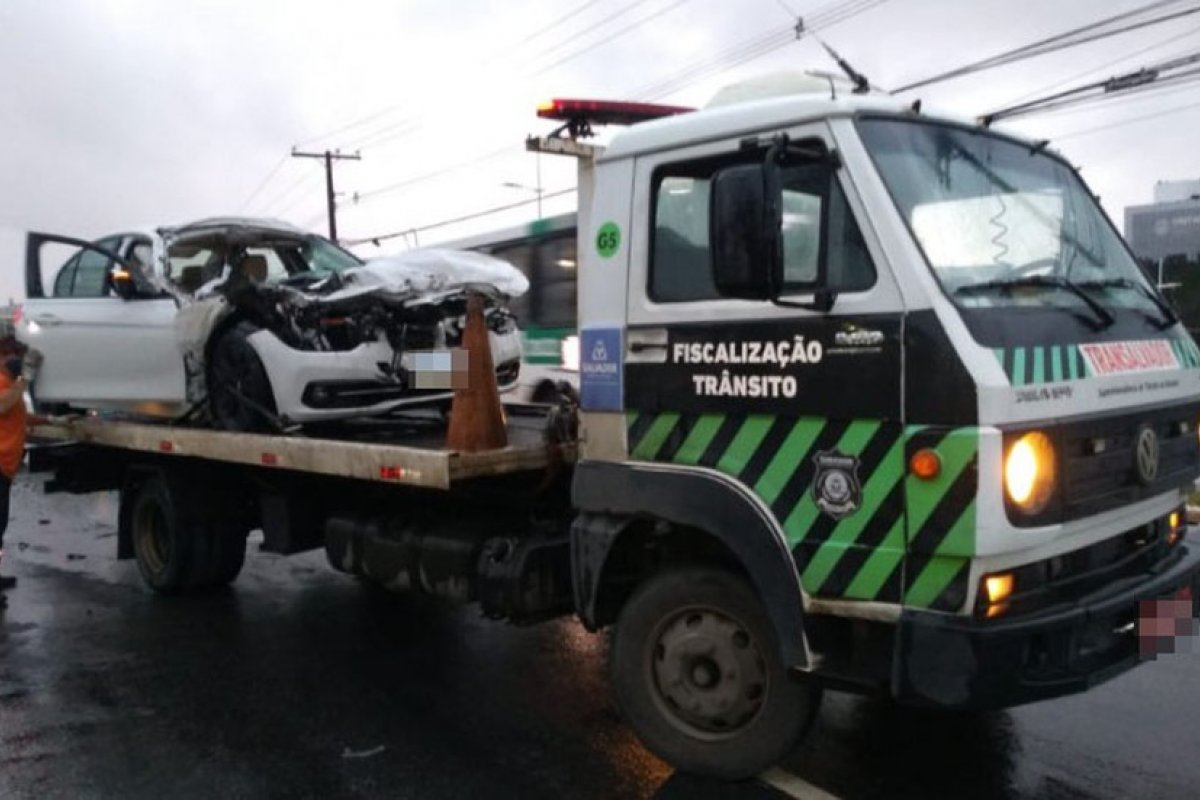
(476, 418)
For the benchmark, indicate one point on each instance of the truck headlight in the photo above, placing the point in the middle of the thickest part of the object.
(1030, 471)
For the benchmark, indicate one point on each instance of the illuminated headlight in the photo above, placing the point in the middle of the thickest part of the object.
(568, 352)
(1030, 472)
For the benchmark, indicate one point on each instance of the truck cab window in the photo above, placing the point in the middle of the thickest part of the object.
(681, 262)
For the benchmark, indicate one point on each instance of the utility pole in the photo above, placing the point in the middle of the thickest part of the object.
(330, 156)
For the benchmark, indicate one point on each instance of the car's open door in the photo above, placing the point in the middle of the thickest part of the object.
(103, 348)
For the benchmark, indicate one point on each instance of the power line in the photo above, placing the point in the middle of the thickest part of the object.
(383, 112)
(1084, 34)
(1077, 76)
(465, 218)
(748, 50)
(1145, 79)
(632, 26)
(756, 47)
(1122, 123)
(408, 125)
(620, 12)
(263, 183)
(564, 18)
(286, 194)
(437, 173)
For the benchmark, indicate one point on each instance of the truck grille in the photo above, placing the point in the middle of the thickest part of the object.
(1098, 458)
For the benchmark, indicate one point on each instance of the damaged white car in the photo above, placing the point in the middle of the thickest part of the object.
(255, 325)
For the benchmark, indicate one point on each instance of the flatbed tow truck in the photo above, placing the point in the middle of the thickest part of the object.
(870, 400)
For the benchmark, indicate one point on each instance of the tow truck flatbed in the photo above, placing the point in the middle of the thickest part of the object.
(404, 454)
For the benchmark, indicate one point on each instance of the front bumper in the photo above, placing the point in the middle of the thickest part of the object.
(963, 662)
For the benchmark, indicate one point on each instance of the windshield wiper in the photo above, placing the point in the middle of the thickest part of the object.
(1048, 281)
(1169, 317)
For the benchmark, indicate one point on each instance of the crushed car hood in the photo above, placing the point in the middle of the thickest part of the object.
(427, 273)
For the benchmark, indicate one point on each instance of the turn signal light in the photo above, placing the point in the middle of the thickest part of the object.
(925, 464)
(999, 587)
(1175, 528)
(996, 590)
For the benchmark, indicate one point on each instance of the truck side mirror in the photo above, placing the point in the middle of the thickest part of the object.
(744, 232)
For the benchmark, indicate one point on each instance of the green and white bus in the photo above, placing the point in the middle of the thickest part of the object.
(545, 251)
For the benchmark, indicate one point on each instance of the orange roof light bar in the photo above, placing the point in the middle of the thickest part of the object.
(580, 115)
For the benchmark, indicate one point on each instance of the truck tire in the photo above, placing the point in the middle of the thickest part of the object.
(167, 544)
(698, 675)
(239, 392)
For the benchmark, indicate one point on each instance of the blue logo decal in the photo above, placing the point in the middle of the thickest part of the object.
(600, 372)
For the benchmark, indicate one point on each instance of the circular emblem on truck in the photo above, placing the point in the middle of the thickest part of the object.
(1145, 456)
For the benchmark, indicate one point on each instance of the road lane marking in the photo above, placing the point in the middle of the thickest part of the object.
(793, 785)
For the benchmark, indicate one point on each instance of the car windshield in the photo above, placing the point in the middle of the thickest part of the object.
(194, 260)
(1000, 222)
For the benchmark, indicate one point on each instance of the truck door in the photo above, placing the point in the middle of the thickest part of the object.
(800, 405)
(100, 349)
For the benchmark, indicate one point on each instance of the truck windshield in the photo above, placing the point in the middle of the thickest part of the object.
(1003, 224)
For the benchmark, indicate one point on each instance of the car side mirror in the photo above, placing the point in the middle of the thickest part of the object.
(745, 232)
(121, 279)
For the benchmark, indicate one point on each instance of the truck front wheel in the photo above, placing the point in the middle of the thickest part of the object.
(697, 673)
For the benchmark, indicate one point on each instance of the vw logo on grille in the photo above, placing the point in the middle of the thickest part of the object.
(1145, 456)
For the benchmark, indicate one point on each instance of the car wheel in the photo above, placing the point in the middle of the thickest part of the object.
(239, 392)
(696, 671)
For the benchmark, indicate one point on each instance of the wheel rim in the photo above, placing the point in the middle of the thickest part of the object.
(708, 673)
(150, 533)
(235, 375)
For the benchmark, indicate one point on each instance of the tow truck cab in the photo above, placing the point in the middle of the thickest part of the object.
(905, 374)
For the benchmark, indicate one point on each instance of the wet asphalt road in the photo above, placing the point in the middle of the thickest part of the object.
(300, 682)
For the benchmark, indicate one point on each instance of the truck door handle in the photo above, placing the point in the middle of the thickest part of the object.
(46, 319)
(646, 346)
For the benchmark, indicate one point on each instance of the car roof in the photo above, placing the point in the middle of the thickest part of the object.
(256, 223)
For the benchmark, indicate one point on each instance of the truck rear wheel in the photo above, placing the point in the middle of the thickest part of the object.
(697, 673)
(176, 547)
(162, 544)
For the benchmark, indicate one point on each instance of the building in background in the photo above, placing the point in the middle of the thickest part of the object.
(1165, 236)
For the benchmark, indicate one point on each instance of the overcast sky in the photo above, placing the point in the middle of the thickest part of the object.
(119, 113)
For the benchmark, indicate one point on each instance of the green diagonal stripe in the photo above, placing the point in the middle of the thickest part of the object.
(960, 539)
(647, 449)
(933, 579)
(1018, 372)
(698, 440)
(1039, 365)
(787, 459)
(744, 444)
(847, 531)
(874, 573)
(956, 451)
(805, 513)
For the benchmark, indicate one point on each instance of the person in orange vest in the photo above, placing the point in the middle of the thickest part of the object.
(12, 435)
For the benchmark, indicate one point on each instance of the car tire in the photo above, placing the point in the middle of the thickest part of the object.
(239, 392)
(697, 673)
